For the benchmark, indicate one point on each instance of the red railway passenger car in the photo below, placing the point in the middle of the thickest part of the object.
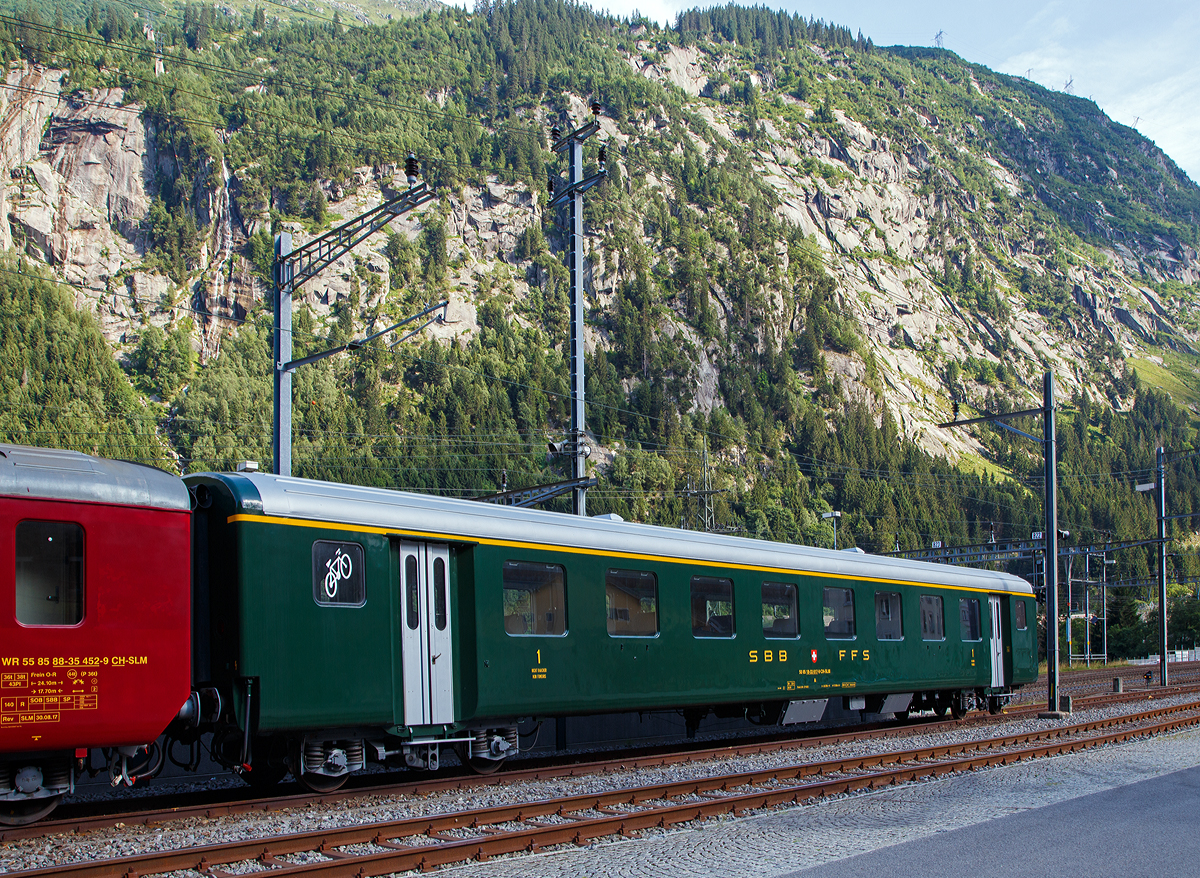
(95, 607)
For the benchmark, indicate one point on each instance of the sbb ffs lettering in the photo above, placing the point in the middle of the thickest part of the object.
(866, 654)
(768, 655)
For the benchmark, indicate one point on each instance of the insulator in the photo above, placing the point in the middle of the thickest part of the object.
(550, 186)
(555, 133)
(410, 169)
(603, 156)
(595, 108)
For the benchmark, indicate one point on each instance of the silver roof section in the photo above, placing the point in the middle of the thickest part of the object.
(470, 521)
(54, 474)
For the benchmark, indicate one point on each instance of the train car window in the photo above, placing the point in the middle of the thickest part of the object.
(779, 614)
(412, 593)
(631, 602)
(712, 607)
(535, 599)
(932, 620)
(339, 574)
(839, 613)
(1021, 622)
(968, 615)
(49, 572)
(439, 594)
(888, 624)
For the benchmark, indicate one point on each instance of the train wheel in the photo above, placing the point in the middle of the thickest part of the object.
(484, 766)
(30, 811)
(320, 783)
(941, 705)
(956, 708)
(479, 766)
(995, 705)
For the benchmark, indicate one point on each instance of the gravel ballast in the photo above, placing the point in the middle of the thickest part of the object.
(122, 841)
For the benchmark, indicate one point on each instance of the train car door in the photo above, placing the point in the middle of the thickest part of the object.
(997, 642)
(425, 640)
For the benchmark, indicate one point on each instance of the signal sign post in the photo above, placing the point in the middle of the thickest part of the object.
(1050, 562)
(572, 144)
(292, 268)
(1160, 478)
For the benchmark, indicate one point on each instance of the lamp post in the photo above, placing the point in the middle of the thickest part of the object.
(835, 516)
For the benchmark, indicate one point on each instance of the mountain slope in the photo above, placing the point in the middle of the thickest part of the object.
(809, 251)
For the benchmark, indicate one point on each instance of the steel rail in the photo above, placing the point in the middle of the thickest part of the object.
(716, 795)
(557, 769)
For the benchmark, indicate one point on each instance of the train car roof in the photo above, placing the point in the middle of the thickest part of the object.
(55, 474)
(443, 518)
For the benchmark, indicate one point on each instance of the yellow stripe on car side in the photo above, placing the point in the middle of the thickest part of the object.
(574, 550)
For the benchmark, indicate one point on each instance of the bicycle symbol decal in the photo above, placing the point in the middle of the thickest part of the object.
(338, 568)
(338, 574)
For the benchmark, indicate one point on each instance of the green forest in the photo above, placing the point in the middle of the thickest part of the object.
(300, 104)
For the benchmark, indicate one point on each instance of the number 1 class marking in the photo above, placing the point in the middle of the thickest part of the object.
(539, 656)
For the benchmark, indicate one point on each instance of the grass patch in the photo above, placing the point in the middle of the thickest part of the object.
(1178, 376)
(982, 466)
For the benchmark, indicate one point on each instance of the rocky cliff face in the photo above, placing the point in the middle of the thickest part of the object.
(874, 223)
(77, 178)
(78, 175)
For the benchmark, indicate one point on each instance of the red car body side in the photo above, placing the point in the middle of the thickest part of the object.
(120, 675)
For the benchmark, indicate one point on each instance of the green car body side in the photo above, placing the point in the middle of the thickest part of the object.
(314, 666)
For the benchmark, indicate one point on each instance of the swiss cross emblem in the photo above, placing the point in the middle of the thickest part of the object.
(814, 655)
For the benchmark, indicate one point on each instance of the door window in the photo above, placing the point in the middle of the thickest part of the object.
(49, 575)
(439, 594)
(412, 593)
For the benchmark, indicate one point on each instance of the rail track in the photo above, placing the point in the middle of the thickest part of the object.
(429, 841)
(213, 804)
(1132, 677)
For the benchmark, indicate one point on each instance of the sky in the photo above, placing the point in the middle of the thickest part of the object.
(1140, 62)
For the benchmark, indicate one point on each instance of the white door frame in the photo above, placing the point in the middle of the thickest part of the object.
(997, 642)
(426, 634)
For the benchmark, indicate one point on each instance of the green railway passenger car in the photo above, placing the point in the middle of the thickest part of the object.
(341, 624)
